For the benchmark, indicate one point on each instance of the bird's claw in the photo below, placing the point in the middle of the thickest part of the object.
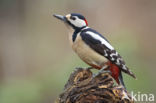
(103, 70)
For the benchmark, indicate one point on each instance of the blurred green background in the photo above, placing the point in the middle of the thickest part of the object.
(36, 58)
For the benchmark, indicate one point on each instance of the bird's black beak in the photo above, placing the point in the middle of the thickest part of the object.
(60, 17)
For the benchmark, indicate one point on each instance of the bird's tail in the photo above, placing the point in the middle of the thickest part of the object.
(128, 71)
(121, 82)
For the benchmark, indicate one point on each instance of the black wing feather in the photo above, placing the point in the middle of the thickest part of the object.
(103, 50)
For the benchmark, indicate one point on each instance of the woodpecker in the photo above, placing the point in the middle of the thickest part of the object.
(93, 48)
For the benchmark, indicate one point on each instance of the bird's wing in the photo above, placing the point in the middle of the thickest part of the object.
(101, 45)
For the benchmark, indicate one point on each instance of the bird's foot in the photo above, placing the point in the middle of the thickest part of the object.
(103, 70)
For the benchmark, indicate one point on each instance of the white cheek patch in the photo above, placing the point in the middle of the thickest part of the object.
(78, 22)
(97, 37)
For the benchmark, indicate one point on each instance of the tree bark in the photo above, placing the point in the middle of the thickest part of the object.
(83, 87)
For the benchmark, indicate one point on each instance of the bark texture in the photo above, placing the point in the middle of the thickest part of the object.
(83, 87)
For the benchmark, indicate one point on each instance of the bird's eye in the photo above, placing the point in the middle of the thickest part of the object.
(73, 18)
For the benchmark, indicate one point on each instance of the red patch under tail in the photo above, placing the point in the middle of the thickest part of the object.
(115, 72)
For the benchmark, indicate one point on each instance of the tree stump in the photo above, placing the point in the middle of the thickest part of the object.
(83, 87)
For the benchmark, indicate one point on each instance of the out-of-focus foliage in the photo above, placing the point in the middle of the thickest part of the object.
(36, 58)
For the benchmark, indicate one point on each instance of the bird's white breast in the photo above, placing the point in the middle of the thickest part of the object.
(86, 53)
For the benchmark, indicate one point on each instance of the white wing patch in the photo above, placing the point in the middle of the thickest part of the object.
(97, 37)
(105, 53)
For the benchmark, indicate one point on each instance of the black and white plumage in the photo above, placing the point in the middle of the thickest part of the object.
(101, 45)
(92, 47)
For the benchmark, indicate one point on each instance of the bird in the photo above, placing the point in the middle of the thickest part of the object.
(93, 48)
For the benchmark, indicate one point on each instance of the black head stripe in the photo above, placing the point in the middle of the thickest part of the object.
(78, 15)
(72, 17)
(71, 24)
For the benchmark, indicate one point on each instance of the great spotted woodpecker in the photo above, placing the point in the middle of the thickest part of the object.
(93, 48)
